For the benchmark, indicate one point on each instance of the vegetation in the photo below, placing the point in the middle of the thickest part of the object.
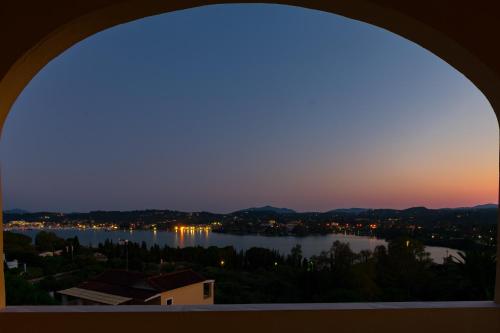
(402, 271)
(21, 292)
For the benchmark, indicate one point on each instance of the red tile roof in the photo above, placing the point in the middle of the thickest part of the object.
(124, 291)
(121, 277)
(164, 282)
(140, 286)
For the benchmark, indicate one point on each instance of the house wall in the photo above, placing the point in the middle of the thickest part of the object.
(189, 295)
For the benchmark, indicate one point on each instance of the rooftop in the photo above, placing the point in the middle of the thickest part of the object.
(170, 281)
(119, 287)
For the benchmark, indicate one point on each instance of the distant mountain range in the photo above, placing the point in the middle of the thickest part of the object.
(353, 211)
(349, 210)
(15, 211)
(485, 206)
(270, 209)
(411, 209)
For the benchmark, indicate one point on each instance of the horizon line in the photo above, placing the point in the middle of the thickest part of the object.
(25, 211)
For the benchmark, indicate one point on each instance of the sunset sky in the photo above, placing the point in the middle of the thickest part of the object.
(232, 106)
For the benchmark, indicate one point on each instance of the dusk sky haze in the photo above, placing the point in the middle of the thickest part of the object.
(226, 107)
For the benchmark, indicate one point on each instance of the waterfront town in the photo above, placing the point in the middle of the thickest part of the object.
(49, 269)
(44, 268)
(453, 228)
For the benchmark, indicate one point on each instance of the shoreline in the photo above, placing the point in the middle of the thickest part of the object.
(426, 244)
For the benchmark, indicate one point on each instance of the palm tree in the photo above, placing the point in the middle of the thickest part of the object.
(478, 267)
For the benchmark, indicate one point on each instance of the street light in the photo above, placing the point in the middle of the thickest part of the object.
(125, 242)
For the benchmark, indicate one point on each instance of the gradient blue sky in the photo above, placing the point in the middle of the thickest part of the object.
(224, 107)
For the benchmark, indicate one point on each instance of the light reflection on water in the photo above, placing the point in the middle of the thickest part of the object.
(311, 245)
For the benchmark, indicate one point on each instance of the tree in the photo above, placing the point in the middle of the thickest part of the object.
(404, 272)
(20, 247)
(478, 268)
(22, 292)
(48, 241)
(342, 256)
(296, 256)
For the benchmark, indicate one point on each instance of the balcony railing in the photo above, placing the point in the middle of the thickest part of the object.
(404, 317)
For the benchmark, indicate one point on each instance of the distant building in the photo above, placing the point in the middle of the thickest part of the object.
(50, 253)
(11, 264)
(117, 287)
(100, 257)
(291, 225)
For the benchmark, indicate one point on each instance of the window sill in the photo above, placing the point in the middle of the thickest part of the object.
(254, 307)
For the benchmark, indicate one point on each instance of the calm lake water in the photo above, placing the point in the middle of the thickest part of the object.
(311, 245)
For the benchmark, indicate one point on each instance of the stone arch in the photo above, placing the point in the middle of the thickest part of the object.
(34, 32)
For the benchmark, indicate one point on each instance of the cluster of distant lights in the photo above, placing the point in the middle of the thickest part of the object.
(25, 225)
(98, 226)
(180, 229)
(44, 225)
(191, 228)
(222, 263)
